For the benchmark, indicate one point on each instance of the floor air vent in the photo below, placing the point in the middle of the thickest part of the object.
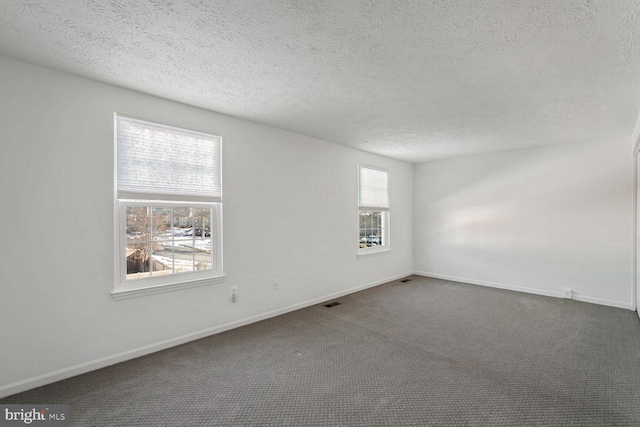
(332, 304)
(405, 280)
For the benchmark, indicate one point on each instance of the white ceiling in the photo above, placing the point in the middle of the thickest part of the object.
(411, 79)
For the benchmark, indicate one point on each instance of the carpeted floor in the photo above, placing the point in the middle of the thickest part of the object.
(425, 352)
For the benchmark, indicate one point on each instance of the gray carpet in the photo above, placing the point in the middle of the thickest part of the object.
(420, 353)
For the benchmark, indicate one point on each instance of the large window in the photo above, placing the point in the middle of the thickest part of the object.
(169, 200)
(373, 210)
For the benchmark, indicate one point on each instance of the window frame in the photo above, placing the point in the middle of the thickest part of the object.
(385, 224)
(384, 246)
(124, 288)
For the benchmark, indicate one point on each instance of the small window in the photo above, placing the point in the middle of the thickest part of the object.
(373, 210)
(169, 198)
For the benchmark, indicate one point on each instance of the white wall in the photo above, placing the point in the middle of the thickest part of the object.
(290, 212)
(636, 172)
(538, 220)
(635, 137)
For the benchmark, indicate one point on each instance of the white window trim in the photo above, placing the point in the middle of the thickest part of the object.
(152, 285)
(125, 289)
(376, 250)
(169, 287)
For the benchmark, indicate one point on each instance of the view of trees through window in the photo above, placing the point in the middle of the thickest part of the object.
(371, 228)
(167, 240)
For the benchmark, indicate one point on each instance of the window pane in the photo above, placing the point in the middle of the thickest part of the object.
(161, 223)
(162, 258)
(203, 260)
(183, 258)
(183, 223)
(138, 223)
(375, 238)
(138, 260)
(202, 223)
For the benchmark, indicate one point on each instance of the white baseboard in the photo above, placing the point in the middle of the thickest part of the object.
(535, 291)
(72, 371)
(602, 301)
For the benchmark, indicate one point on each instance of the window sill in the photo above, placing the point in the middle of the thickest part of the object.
(170, 287)
(375, 252)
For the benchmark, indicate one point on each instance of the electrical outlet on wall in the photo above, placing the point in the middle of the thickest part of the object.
(234, 293)
(567, 293)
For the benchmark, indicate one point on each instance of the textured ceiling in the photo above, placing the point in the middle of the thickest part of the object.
(411, 79)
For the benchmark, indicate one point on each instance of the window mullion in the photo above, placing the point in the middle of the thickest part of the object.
(173, 241)
(150, 215)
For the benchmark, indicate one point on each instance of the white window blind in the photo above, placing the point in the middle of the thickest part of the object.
(157, 162)
(373, 192)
